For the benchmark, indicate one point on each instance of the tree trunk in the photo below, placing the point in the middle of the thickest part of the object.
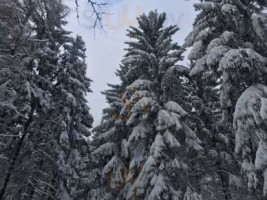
(31, 193)
(17, 152)
(225, 184)
(51, 192)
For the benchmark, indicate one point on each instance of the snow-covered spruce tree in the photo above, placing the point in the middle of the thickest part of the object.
(63, 139)
(92, 179)
(250, 73)
(40, 147)
(70, 90)
(143, 144)
(33, 98)
(20, 93)
(250, 127)
(226, 38)
(242, 68)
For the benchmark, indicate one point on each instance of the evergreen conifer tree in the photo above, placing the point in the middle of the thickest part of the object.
(76, 121)
(227, 39)
(142, 146)
(39, 85)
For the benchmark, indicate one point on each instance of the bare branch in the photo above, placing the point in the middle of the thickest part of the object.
(6, 135)
(97, 14)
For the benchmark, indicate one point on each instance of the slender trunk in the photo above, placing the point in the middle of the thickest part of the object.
(31, 193)
(39, 166)
(224, 181)
(17, 152)
(51, 192)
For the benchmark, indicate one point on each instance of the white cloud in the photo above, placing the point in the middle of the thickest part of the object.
(105, 49)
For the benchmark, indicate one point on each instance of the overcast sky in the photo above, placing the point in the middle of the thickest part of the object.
(105, 49)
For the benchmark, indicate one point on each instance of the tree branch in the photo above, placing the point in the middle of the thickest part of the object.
(96, 13)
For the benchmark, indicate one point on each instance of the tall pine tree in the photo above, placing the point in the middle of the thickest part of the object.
(227, 38)
(142, 147)
(76, 121)
(39, 84)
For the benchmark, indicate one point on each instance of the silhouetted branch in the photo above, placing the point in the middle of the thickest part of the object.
(97, 14)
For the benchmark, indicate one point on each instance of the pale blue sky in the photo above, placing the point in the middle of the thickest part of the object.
(105, 49)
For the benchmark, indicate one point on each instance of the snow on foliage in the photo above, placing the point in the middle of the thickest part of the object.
(248, 169)
(199, 67)
(232, 60)
(142, 104)
(229, 9)
(164, 120)
(250, 127)
(139, 132)
(197, 50)
(261, 156)
(158, 189)
(192, 195)
(171, 140)
(175, 107)
(115, 168)
(107, 149)
(205, 5)
(215, 55)
(242, 58)
(157, 147)
(147, 152)
(247, 116)
(259, 21)
(140, 85)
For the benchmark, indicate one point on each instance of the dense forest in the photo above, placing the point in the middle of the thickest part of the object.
(169, 132)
